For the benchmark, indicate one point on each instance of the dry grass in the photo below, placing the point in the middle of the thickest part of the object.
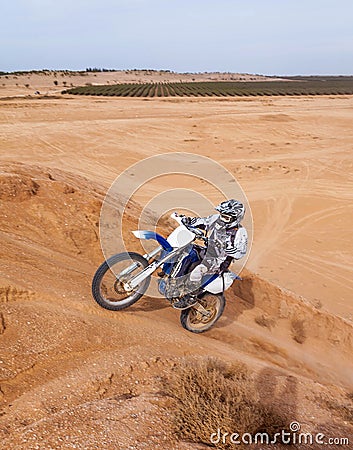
(340, 408)
(209, 394)
(343, 410)
(298, 331)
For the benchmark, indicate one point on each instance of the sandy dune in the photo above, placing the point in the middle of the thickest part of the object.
(291, 156)
(53, 82)
(72, 374)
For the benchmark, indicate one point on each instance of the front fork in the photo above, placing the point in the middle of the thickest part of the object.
(135, 281)
(135, 265)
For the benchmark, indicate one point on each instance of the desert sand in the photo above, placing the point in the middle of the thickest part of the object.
(73, 375)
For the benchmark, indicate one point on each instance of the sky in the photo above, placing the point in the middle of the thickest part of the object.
(271, 37)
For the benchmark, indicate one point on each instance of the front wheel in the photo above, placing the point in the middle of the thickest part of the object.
(110, 282)
(204, 314)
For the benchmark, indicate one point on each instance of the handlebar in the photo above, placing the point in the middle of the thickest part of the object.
(196, 231)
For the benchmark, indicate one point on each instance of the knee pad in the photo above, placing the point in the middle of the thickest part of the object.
(198, 272)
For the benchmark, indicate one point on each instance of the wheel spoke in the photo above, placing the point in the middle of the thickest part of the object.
(211, 304)
(112, 288)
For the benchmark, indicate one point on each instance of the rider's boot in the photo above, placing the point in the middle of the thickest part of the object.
(185, 302)
(189, 299)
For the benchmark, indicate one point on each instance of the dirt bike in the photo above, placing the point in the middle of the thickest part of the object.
(123, 279)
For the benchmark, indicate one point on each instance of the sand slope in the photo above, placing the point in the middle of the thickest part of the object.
(68, 366)
(73, 374)
(292, 157)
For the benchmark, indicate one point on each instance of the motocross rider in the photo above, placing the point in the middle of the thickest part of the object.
(227, 240)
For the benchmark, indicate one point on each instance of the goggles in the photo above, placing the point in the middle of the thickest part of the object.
(226, 218)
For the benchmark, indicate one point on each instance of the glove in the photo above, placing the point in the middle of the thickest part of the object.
(225, 264)
(185, 221)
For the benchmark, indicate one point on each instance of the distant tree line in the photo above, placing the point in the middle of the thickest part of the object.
(98, 69)
(74, 72)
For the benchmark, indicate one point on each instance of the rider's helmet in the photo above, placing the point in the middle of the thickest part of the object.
(231, 213)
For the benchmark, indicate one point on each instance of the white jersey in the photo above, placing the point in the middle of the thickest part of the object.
(222, 242)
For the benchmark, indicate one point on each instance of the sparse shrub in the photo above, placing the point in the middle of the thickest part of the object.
(55, 82)
(265, 321)
(337, 407)
(210, 394)
(298, 331)
(318, 304)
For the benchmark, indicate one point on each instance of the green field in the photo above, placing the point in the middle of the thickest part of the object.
(289, 86)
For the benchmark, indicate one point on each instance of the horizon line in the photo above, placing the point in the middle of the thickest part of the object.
(106, 69)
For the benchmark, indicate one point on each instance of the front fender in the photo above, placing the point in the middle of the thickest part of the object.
(145, 234)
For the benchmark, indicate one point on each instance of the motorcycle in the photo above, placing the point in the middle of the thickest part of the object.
(122, 280)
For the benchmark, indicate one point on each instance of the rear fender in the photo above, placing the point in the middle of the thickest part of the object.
(217, 283)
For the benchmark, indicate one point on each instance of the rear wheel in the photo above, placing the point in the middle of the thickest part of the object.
(202, 316)
(111, 290)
